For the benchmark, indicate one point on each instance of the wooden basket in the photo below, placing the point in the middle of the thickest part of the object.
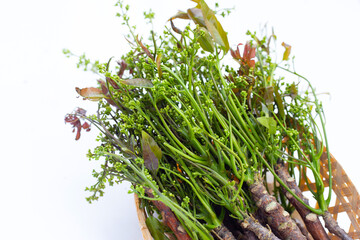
(345, 204)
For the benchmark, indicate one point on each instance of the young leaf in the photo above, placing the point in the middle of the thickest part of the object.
(151, 152)
(287, 51)
(197, 16)
(91, 93)
(205, 40)
(214, 26)
(248, 54)
(269, 123)
(138, 82)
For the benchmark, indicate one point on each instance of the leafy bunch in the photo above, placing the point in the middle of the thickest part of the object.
(188, 130)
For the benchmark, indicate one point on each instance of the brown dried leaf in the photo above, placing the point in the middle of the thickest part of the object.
(181, 15)
(138, 82)
(158, 64)
(145, 49)
(90, 93)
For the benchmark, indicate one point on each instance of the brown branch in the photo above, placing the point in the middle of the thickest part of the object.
(259, 230)
(310, 219)
(169, 218)
(333, 226)
(223, 233)
(276, 217)
(303, 229)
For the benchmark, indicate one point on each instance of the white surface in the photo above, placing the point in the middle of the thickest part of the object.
(44, 171)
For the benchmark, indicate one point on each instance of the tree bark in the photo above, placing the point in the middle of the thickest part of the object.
(334, 227)
(259, 230)
(303, 229)
(276, 217)
(310, 219)
(224, 233)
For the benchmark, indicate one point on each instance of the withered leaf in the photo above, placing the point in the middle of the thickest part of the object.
(158, 64)
(175, 28)
(138, 82)
(181, 15)
(90, 93)
(287, 51)
(145, 49)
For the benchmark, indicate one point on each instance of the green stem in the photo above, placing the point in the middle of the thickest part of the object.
(191, 222)
(320, 112)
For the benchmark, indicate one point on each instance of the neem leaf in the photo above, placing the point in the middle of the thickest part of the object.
(269, 123)
(287, 51)
(214, 26)
(156, 228)
(205, 39)
(90, 93)
(197, 16)
(151, 152)
(138, 82)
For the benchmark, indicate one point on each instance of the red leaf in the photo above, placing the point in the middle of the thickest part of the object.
(105, 91)
(74, 120)
(122, 69)
(86, 126)
(147, 52)
(236, 54)
(104, 88)
(80, 111)
(248, 54)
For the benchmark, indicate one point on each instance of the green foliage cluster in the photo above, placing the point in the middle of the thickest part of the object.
(175, 119)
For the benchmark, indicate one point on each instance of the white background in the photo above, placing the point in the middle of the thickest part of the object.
(44, 171)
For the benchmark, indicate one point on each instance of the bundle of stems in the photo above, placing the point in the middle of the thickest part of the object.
(196, 137)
